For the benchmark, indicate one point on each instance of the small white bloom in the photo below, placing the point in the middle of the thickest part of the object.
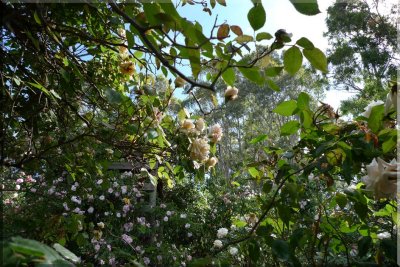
(100, 181)
(124, 189)
(101, 225)
(233, 251)
(146, 260)
(215, 133)
(189, 234)
(200, 125)
(183, 216)
(169, 213)
(218, 243)
(165, 219)
(187, 226)
(384, 235)
(102, 197)
(222, 232)
(90, 210)
(231, 93)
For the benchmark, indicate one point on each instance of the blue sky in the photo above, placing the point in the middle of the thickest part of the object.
(280, 14)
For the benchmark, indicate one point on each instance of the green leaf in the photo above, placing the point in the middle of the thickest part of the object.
(40, 87)
(292, 59)
(284, 214)
(389, 145)
(244, 39)
(67, 254)
(317, 59)
(258, 139)
(113, 96)
(286, 108)
(341, 200)
(361, 210)
(263, 36)
(130, 38)
(222, 2)
(309, 7)
(253, 172)
(254, 251)
(305, 43)
(363, 245)
(229, 76)
(280, 249)
(303, 101)
(375, 119)
(271, 84)
(256, 16)
(289, 128)
(273, 71)
(37, 19)
(253, 74)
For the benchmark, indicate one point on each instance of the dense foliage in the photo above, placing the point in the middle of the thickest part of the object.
(102, 164)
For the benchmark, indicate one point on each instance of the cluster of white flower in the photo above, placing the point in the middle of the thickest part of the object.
(381, 178)
(199, 147)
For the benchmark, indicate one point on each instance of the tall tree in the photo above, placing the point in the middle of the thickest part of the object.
(364, 52)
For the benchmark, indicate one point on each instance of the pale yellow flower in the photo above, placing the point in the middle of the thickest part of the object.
(199, 150)
(231, 93)
(215, 133)
(211, 162)
(127, 67)
(200, 125)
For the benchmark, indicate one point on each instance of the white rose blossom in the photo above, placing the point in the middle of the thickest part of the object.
(222, 232)
(384, 235)
(199, 150)
(368, 109)
(231, 93)
(381, 178)
(233, 251)
(215, 133)
(188, 127)
(200, 125)
(218, 243)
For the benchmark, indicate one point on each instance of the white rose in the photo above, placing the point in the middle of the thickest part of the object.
(188, 127)
(200, 125)
(215, 133)
(382, 178)
(218, 243)
(222, 232)
(231, 93)
(199, 149)
(368, 109)
(233, 251)
(384, 235)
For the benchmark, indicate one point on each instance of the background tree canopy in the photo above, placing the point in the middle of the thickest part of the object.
(103, 163)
